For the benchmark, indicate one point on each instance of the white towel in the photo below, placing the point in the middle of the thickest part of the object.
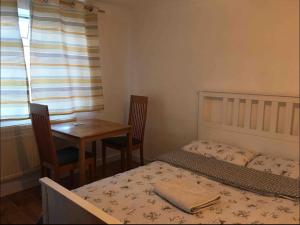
(183, 198)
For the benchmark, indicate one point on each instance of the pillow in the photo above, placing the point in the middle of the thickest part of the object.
(221, 151)
(276, 165)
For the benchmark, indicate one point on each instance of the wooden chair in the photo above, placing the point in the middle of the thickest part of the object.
(137, 119)
(60, 161)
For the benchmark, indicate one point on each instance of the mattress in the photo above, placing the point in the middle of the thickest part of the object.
(129, 197)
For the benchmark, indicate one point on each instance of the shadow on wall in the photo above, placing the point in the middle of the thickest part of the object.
(154, 129)
(167, 128)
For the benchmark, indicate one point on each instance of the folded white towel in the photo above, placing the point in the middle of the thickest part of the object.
(183, 198)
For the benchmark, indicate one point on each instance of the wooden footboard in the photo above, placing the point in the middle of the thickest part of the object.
(61, 206)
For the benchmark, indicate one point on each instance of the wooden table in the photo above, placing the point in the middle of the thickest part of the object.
(85, 131)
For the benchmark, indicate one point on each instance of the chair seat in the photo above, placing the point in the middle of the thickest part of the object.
(120, 142)
(70, 155)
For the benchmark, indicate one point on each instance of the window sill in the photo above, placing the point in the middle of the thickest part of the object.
(15, 123)
(14, 131)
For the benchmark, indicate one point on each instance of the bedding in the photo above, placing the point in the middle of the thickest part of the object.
(275, 165)
(221, 151)
(130, 198)
(233, 175)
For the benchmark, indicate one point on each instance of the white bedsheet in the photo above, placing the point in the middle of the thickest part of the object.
(129, 197)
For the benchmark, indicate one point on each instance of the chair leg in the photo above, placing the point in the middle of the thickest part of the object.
(89, 172)
(94, 147)
(48, 172)
(103, 160)
(123, 160)
(44, 172)
(56, 175)
(72, 178)
(92, 172)
(142, 155)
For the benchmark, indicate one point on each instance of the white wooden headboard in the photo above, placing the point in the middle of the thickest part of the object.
(265, 123)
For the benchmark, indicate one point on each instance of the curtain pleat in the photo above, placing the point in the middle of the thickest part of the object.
(65, 63)
(14, 85)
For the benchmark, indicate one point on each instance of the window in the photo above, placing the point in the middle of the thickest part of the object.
(14, 89)
(60, 67)
(24, 24)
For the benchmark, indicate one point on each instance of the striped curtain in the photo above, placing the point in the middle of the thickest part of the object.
(14, 85)
(65, 65)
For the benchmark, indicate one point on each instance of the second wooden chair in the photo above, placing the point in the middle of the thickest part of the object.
(137, 119)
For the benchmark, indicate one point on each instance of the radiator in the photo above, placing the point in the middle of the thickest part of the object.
(19, 154)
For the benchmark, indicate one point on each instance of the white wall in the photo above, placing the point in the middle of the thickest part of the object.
(182, 46)
(114, 43)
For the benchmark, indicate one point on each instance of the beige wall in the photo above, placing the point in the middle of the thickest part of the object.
(181, 46)
(114, 40)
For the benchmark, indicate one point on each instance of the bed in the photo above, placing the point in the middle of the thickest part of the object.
(266, 125)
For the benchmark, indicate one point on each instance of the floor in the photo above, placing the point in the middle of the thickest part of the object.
(25, 207)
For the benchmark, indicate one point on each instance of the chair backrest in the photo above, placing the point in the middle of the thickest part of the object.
(39, 116)
(137, 116)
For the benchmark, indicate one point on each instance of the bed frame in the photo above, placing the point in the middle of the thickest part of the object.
(61, 206)
(264, 123)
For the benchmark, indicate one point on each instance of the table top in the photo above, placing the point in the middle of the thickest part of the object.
(88, 128)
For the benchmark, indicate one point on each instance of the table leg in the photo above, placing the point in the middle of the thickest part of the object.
(94, 148)
(82, 163)
(129, 150)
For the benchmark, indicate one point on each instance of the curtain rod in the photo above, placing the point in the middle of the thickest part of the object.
(88, 7)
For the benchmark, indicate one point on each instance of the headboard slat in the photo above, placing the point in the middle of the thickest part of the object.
(236, 112)
(224, 110)
(264, 123)
(288, 118)
(247, 114)
(274, 117)
(260, 115)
